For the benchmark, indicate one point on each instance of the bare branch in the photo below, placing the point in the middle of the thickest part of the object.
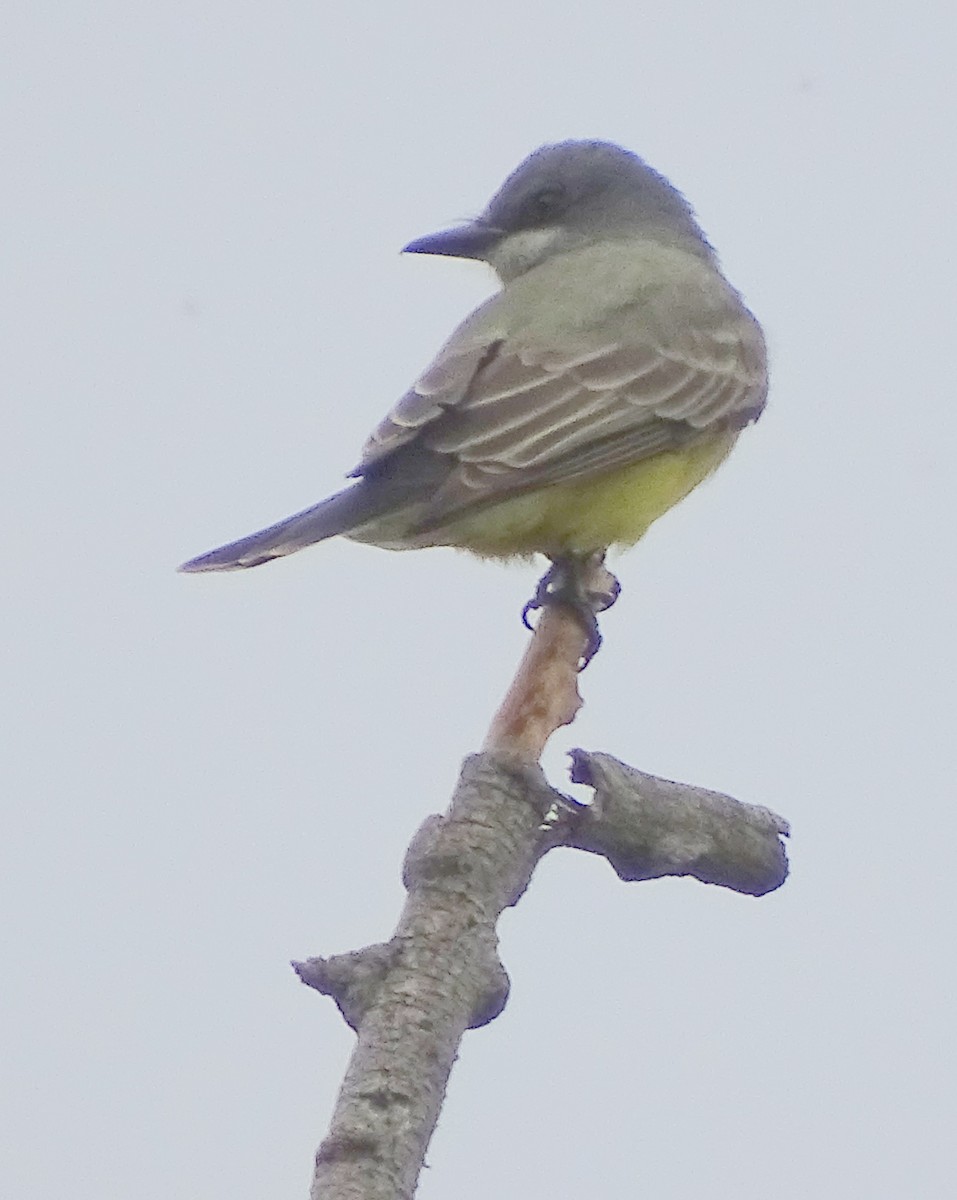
(411, 999)
(544, 693)
(439, 975)
(648, 827)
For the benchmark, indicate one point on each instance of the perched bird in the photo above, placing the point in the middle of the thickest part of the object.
(609, 376)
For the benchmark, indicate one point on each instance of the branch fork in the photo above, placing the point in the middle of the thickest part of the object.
(411, 999)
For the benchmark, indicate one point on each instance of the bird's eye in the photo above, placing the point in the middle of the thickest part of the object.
(545, 203)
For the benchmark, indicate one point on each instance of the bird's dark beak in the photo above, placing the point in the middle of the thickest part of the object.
(473, 240)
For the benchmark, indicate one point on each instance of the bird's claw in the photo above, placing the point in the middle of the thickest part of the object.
(564, 584)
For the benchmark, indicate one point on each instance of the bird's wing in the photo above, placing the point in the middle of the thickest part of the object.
(443, 386)
(512, 414)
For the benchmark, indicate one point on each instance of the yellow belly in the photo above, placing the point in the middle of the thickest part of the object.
(590, 514)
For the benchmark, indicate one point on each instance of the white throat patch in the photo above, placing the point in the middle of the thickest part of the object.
(519, 252)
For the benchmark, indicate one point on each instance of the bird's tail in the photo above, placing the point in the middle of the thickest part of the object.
(344, 511)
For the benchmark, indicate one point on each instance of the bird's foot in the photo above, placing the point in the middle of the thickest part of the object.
(582, 584)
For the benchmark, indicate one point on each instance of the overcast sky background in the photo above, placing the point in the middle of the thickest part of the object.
(204, 312)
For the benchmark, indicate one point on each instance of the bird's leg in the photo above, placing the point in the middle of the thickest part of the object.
(581, 583)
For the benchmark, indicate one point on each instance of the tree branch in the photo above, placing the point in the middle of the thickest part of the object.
(411, 999)
(648, 827)
(544, 693)
(440, 974)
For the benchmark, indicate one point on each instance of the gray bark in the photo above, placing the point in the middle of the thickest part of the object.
(411, 999)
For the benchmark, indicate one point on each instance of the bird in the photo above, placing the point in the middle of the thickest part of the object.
(610, 375)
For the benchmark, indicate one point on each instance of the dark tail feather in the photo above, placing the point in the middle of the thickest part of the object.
(340, 513)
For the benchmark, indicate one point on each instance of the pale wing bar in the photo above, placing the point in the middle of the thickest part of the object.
(475, 485)
(556, 415)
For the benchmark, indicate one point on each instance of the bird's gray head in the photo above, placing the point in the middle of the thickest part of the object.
(565, 196)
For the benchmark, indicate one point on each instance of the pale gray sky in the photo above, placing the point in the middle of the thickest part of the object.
(204, 312)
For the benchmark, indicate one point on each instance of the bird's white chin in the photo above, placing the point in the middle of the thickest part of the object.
(519, 252)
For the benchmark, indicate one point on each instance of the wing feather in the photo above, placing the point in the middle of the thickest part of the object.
(510, 410)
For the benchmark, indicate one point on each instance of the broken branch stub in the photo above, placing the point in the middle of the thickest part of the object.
(649, 827)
